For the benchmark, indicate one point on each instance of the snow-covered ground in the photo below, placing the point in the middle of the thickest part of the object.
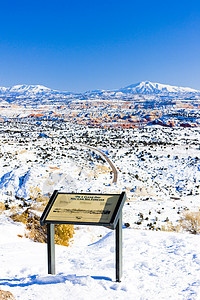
(156, 265)
(157, 167)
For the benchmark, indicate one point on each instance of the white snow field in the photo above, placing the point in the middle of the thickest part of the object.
(156, 265)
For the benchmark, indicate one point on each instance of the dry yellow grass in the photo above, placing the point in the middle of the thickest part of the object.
(2, 206)
(34, 192)
(170, 227)
(38, 233)
(102, 169)
(191, 222)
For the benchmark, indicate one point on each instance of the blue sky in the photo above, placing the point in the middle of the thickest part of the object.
(86, 45)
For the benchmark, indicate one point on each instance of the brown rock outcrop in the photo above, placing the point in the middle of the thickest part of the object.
(6, 295)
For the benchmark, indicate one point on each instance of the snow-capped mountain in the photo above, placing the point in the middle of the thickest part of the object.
(147, 87)
(143, 88)
(28, 90)
(34, 89)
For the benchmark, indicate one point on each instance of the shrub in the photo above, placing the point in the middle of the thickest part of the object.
(38, 233)
(191, 222)
(16, 217)
(63, 234)
(35, 194)
(2, 206)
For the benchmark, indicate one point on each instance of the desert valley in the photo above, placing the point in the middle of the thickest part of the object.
(143, 139)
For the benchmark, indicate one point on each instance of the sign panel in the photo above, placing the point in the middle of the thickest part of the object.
(96, 209)
(85, 208)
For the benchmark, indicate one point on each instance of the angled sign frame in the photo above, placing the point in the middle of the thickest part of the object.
(84, 209)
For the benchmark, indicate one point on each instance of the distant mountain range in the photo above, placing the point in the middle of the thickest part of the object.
(39, 92)
(147, 87)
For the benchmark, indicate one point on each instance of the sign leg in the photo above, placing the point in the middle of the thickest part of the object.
(119, 249)
(51, 248)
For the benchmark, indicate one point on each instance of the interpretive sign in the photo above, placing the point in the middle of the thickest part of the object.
(84, 209)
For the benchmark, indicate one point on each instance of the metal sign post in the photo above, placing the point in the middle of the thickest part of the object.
(51, 248)
(84, 209)
(118, 249)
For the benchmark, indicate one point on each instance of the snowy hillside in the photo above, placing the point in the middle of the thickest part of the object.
(156, 266)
